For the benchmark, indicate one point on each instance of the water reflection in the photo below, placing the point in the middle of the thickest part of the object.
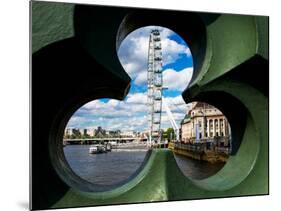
(103, 169)
(197, 169)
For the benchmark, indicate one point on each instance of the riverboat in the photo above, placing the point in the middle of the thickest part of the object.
(96, 149)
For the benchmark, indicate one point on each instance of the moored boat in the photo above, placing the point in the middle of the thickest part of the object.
(95, 149)
(108, 147)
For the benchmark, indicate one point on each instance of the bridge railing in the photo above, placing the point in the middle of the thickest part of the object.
(202, 147)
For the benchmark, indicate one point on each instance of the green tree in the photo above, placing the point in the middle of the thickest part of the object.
(76, 133)
(85, 136)
(169, 134)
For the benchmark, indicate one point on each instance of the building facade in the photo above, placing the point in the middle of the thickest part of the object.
(91, 132)
(204, 122)
(129, 133)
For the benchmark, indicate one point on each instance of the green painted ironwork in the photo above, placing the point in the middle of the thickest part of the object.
(231, 73)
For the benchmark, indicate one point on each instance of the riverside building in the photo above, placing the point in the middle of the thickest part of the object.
(205, 123)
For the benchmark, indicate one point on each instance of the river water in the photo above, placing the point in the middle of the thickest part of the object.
(116, 166)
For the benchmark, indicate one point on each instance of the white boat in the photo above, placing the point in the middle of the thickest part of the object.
(108, 147)
(95, 149)
(113, 144)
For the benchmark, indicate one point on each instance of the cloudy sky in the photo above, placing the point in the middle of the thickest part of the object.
(131, 114)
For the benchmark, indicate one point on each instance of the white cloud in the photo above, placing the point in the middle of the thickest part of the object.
(141, 78)
(174, 80)
(177, 107)
(78, 122)
(137, 98)
(113, 103)
(131, 68)
(172, 51)
(133, 51)
(95, 104)
(124, 115)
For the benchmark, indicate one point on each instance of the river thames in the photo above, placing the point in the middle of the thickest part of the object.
(118, 165)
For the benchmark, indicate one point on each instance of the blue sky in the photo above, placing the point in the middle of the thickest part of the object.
(131, 114)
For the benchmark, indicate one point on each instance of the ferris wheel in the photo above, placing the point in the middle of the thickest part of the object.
(155, 86)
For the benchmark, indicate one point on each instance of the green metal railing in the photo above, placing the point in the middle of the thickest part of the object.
(78, 43)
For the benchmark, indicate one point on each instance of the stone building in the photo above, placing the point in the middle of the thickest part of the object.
(204, 122)
(128, 133)
(113, 133)
(83, 131)
(91, 132)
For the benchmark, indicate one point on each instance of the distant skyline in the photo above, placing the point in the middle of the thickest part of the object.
(131, 114)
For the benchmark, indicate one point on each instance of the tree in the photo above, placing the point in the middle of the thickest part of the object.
(86, 135)
(76, 133)
(169, 134)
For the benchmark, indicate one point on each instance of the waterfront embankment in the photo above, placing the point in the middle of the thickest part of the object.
(199, 152)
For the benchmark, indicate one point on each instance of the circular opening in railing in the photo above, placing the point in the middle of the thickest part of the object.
(204, 142)
(160, 65)
(102, 143)
(156, 54)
